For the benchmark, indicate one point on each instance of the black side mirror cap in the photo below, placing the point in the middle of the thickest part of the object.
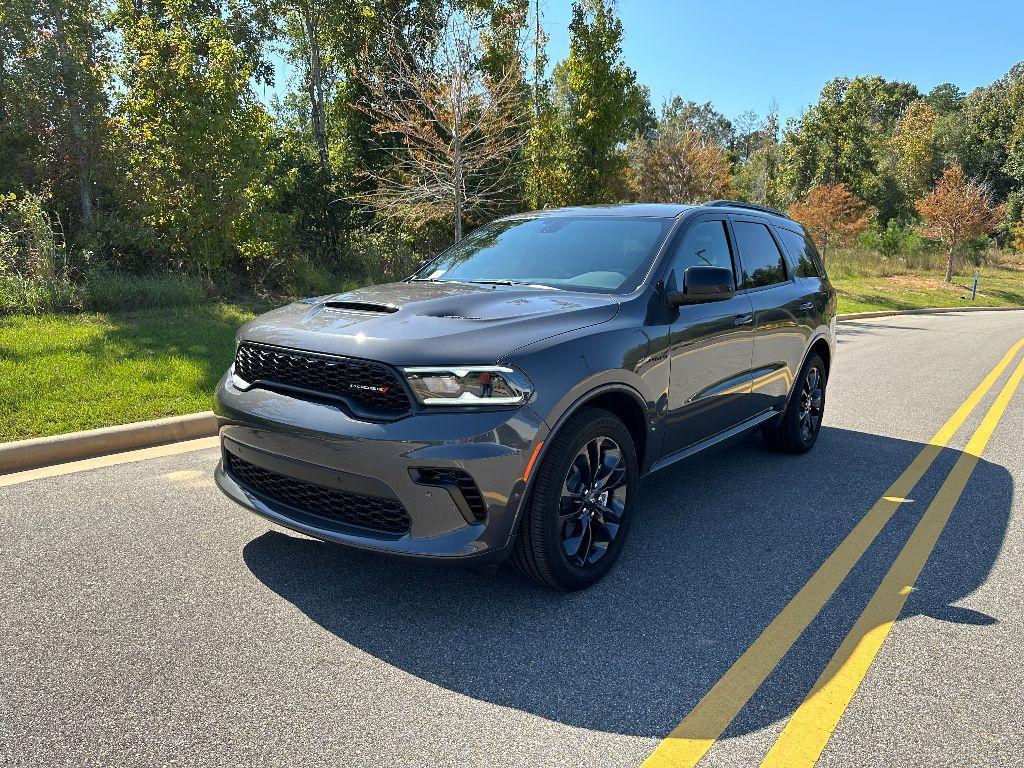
(701, 284)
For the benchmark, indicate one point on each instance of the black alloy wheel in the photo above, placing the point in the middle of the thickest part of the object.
(593, 501)
(580, 508)
(812, 400)
(798, 427)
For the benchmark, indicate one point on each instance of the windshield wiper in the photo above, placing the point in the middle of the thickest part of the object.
(510, 282)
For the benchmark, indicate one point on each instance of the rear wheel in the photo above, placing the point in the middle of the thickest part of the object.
(581, 506)
(797, 431)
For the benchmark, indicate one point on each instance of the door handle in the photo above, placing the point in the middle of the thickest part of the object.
(745, 319)
(807, 306)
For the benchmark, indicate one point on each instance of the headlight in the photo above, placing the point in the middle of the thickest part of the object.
(469, 385)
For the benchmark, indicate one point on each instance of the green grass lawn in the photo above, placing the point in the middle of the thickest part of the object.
(996, 288)
(62, 373)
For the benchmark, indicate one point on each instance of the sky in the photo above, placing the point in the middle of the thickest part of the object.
(742, 55)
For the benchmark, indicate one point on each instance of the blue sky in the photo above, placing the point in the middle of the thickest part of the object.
(741, 55)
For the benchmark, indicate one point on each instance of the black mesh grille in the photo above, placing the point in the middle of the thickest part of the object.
(371, 385)
(458, 479)
(385, 515)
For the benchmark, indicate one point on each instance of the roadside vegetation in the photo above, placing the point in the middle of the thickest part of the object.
(63, 373)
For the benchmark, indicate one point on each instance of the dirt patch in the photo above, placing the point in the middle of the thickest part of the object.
(912, 283)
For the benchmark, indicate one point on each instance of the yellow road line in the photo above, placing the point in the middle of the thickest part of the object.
(808, 731)
(694, 736)
(126, 457)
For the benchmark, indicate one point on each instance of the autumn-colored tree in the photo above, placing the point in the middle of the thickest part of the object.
(957, 210)
(677, 166)
(832, 213)
(452, 131)
(913, 148)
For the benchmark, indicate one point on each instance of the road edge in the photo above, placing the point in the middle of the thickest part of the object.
(925, 311)
(21, 455)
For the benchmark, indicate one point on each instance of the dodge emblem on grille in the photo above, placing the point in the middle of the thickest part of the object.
(368, 388)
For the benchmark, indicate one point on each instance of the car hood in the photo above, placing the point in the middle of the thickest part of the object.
(429, 323)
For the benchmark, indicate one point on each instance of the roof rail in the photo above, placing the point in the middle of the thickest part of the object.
(751, 206)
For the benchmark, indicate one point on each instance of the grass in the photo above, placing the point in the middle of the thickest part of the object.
(997, 287)
(62, 373)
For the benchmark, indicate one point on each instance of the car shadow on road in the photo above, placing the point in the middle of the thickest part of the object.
(721, 545)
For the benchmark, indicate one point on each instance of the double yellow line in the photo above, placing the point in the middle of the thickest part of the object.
(810, 727)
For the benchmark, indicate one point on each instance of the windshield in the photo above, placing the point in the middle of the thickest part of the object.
(590, 253)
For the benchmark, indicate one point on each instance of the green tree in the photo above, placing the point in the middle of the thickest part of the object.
(842, 139)
(986, 136)
(598, 105)
(54, 105)
(913, 158)
(194, 138)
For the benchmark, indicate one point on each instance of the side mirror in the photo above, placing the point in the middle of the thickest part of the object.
(702, 284)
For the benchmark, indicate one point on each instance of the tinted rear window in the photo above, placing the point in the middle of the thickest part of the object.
(802, 250)
(763, 263)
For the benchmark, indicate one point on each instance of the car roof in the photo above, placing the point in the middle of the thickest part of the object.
(652, 210)
(662, 210)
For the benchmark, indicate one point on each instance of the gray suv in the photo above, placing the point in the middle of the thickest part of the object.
(505, 401)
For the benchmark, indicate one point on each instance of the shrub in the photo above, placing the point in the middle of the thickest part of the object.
(111, 290)
(35, 295)
(28, 246)
(306, 277)
(382, 256)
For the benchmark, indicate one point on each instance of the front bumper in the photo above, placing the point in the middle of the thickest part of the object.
(318, 443)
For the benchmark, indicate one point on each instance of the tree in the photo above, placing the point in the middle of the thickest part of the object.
(677, 166)
(832, 213)
(980, 137)
(842, 140)
(704, 119)
(945, 98)
(913, 148)
(957, 210)
(598, 106)
(193, 138)
(54, 78)
(452, 132)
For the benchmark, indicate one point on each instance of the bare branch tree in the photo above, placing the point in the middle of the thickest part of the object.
(453, 132)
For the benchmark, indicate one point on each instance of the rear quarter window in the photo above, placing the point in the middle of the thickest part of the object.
(803, 252)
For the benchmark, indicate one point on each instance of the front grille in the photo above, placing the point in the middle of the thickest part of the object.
(371, 385)
(458, 481)
(386, 515)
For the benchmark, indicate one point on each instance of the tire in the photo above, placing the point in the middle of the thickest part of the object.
(560, 555)
(797, 431)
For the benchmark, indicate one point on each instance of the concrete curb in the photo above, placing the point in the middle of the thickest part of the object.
(935, 311)
(42, 451)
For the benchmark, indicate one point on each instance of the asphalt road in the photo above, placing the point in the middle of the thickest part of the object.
(146, 620)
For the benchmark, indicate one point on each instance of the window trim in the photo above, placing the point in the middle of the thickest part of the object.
(783, 252)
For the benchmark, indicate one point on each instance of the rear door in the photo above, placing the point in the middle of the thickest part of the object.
(781, 307)
(711, 344)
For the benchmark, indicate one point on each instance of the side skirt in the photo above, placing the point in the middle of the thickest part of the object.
(714, 440)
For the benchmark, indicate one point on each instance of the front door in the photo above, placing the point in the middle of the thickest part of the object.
(711, 345)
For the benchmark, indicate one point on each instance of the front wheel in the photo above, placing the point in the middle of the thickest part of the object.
(797, 430)
(582, 502)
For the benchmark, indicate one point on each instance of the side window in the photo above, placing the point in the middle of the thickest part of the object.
(705, 245)
(763, 264)
(803, 251)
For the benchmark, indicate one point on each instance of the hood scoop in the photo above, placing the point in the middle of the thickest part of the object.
(361, 306)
